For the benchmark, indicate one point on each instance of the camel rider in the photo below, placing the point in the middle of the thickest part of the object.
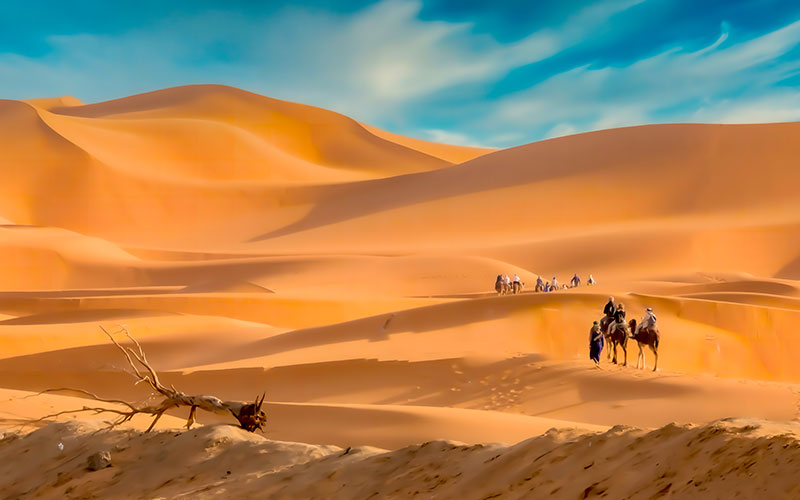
(516, 279)
(575, 280)
(619, 318)
(508, 280)
(648, 321)
(540, 282)
(554, 284)
(590, 281)
(610, 308)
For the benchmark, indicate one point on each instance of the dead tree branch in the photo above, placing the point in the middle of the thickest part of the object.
(250, 415)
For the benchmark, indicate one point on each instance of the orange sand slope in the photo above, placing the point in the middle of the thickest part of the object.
(259, 245)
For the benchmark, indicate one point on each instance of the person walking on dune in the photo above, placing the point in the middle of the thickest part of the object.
(590, 281)
(596, 342)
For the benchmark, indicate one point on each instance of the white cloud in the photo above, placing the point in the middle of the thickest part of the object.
(781, 106)
(454, 138)
(560, 130)
(664, 86)
(385, 56)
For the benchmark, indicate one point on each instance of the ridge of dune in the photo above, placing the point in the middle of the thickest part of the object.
(703, 460)
(50, 103)
(447, 152)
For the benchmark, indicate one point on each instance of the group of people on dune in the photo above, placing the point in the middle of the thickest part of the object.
(552, 286)
(614, 318)
(505, 284)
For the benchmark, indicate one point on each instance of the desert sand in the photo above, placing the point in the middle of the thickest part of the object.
(257, 245)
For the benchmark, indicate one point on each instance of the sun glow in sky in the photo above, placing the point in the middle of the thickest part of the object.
(463, 72)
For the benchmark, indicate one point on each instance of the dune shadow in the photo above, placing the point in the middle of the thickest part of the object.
(500, 169)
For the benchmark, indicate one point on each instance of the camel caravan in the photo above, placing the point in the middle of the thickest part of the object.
(504, 285)
(613, 329)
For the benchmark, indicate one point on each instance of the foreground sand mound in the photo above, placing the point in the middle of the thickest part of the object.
(723, 459)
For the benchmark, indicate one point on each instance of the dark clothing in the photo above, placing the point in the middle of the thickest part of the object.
(610, 309)
(596, 343)
(619, 316)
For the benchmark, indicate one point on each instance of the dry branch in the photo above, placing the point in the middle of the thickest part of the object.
(250, 415)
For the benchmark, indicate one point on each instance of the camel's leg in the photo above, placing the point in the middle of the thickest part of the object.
(615, 354)
(655, 353)
(625, 351)
(644, 359)
(639, 357)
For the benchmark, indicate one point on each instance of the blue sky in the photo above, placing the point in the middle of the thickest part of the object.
(459, 71)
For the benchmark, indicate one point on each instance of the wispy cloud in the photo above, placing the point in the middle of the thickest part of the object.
(454, 138)
(723, 82)
(385, 57)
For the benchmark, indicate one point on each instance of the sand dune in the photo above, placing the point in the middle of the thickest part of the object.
(723, 459)
(302, 132)
(259, 245)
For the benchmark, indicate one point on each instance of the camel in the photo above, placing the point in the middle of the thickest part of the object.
(646, 337)
(501, 287)
(618, 335)
(516, 287)
(539, 287)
